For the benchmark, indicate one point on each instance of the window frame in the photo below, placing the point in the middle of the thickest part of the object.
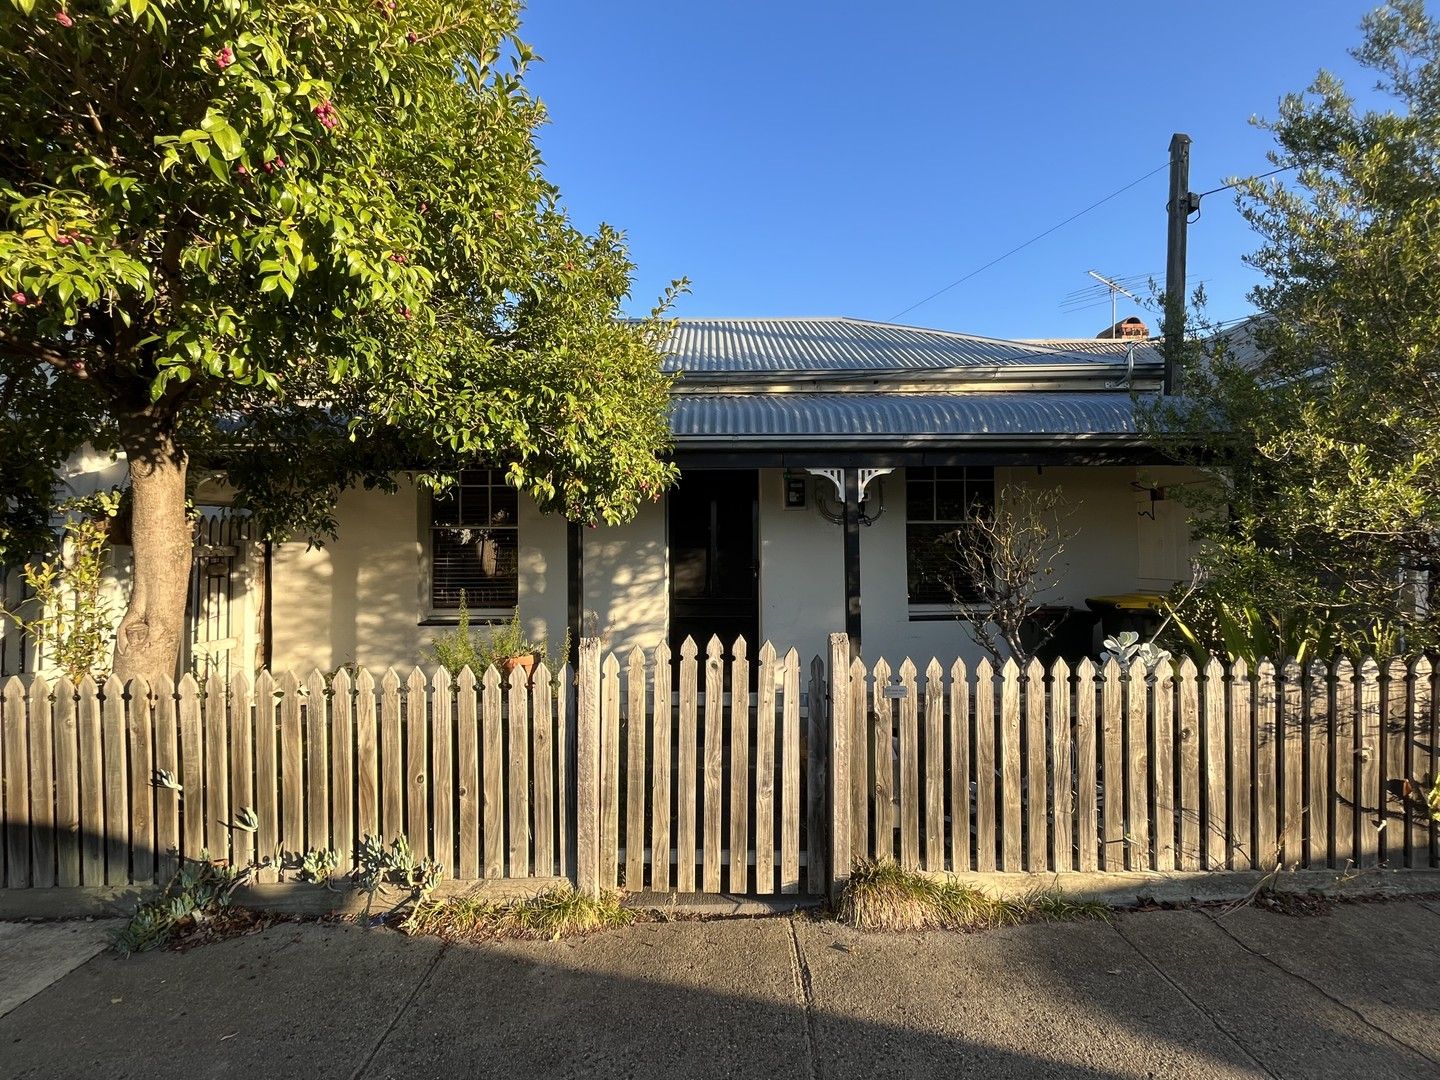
(980, 476)
(433, 615)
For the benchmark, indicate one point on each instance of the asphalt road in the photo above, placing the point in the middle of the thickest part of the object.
(1354, 994)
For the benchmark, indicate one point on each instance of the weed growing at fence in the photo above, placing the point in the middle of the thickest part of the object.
(882, 896)
(554, 914)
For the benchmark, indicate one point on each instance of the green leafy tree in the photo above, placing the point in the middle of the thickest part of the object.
(1320, 419)
(309, 244)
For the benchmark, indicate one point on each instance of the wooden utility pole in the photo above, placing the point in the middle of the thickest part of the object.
(1181, 205)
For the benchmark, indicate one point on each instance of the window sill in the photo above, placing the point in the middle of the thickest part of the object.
(934, 613)
(482, 617)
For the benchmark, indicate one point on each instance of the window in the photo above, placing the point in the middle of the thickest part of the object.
(474, 543)
(937, 500)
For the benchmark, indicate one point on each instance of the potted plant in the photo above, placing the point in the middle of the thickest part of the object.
(506, 647)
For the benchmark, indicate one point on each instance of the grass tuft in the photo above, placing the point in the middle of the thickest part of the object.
(554, 914)
(882, 896)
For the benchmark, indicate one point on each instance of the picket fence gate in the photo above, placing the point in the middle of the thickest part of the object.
(706, 773)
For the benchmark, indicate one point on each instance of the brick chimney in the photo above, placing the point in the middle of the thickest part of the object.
(1131, 328)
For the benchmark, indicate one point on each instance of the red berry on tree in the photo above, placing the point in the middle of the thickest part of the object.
(224, 58)
(412, 37)
(19, 298)
(64, 19)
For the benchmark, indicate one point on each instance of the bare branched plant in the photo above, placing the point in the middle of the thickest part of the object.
(1004, 561)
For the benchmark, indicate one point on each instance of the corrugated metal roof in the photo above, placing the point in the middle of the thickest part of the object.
(1147, 350)
(828, 419)
(839, 344)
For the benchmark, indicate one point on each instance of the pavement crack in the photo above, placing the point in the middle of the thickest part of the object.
(1322, 992)
(364, 1066)
(804, 990)
(1195, 1004)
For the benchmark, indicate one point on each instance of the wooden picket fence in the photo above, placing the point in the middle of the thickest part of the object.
(472, 774)
(1107, 769)
(701, 783)
(706, 773)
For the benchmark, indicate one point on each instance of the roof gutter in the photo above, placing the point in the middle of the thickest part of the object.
(988, 439)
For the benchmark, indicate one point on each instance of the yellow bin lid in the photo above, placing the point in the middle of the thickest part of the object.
(1131, 601)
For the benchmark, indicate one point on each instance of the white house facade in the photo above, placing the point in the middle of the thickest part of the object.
(819, 460)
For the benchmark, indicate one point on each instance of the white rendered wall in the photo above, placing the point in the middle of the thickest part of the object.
(1115, 550)
(627, 581)
(362, 597)
(802, 571)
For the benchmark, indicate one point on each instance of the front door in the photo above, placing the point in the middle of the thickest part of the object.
(713, 522)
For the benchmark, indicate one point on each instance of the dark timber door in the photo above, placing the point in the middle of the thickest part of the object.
(714, 557)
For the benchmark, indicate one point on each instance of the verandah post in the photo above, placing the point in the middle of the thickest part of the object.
(587, 768)
(839, 723)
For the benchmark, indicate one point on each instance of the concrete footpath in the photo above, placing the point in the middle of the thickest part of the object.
(1351, 994)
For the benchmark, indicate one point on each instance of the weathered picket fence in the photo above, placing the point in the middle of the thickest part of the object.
(472, 774)
(706, 773)
(681, 780)
(1109, 769)
(479, 775)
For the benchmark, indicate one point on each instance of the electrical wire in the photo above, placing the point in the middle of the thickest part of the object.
(1027, 243)
(1246, 180)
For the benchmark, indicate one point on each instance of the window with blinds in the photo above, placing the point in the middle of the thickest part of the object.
(474, 543)
(937, 501)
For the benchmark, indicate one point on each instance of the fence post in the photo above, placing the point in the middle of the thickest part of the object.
(587, 769)
(839, 721)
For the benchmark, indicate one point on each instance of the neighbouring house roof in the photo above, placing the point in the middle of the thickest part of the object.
(753, 385)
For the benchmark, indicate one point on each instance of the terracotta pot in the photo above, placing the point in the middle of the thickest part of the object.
(526, 662)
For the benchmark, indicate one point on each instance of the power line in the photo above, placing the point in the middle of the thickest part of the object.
(1027, 243)
(1246, 180)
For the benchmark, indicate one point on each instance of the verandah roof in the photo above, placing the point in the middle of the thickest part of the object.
(827, 420)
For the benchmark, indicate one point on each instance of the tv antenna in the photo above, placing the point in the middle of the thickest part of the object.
(1108, 288)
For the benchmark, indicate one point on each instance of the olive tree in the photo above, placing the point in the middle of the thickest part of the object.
(1319, 421)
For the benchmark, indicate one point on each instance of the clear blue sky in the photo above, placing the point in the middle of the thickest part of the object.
(849, 159)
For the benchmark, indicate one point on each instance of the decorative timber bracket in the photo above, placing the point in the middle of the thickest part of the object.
(850, 485)
(837, 477)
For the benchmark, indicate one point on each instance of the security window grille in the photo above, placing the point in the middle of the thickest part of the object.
(474, 543)
(937, 501)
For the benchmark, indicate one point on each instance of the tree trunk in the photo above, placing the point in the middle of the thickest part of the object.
(147, 643)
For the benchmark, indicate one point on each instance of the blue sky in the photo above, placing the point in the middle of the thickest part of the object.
(850, 159)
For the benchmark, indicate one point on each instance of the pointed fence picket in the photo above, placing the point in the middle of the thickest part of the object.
(746, 770)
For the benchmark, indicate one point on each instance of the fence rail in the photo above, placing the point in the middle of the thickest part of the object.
(710, 772)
